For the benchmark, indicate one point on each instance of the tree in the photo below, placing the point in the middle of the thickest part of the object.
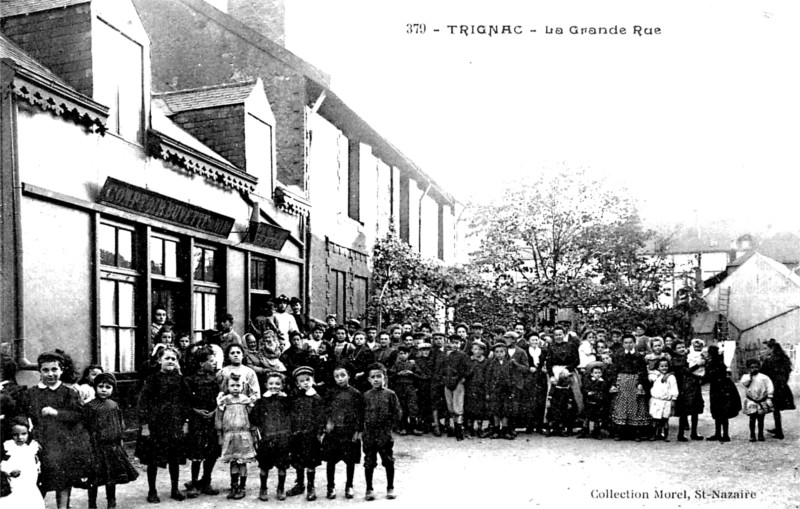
(570, 241)
(400, 290)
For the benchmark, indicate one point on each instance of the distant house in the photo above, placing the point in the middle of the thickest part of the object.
(763, 303)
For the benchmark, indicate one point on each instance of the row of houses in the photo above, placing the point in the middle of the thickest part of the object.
(173, 152)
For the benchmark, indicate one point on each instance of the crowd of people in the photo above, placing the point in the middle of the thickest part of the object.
(292, 393)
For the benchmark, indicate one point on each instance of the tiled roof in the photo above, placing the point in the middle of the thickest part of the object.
(166, 126)
(8, 49)
(206, 97)
(17, 7)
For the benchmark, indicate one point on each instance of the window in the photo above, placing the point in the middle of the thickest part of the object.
(203, 264)
(206, 288)
(119, 81)
(118, 283)
(262, 283)
(167, 277)
(205, 312)
(338, 280)
(164, 257)
(116, 246)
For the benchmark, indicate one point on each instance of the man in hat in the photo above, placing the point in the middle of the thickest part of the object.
(284, 320)
(519, 360)
(353, 326)
(308, 426)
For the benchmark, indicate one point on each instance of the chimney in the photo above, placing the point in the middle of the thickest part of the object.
(268, 17)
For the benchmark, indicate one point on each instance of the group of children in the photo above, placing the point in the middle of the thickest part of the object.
(289, 424)
(325, 400)
(62, 436)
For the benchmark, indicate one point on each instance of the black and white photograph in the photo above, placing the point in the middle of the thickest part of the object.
(353, 253)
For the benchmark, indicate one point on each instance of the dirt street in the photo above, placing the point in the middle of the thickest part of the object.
(534, 471)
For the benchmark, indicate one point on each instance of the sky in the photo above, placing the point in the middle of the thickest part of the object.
(700, 121)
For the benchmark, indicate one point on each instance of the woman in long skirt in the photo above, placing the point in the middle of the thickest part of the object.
(629, 410)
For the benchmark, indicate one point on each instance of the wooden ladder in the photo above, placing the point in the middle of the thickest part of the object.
(722, 307)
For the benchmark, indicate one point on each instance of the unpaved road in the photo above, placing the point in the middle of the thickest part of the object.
(534, 471)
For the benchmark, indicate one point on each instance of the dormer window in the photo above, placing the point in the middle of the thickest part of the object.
(119, 81)
(258, 150)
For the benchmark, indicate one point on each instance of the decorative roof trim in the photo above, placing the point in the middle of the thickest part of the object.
(182, 156)
(55, 98)
(291, 203)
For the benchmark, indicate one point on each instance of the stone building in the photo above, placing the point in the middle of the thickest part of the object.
(116, 200)
(356, 182)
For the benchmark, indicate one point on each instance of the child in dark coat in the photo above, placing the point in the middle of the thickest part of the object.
(563, 408)
(475, 406)
(308, 426)
(163, 410)
(402, 377)
(202, 446)
(424, 366)
(381, 414)
(344, 409)
(58, 425)
(105, 426)
(595, 399)
(272, 419)
(500, 390)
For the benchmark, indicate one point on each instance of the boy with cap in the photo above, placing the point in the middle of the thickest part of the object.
(403, 375)
(423, 362)
(475, 392)
(308, 426)
(455, 367)
(500, 390)
(381, 414)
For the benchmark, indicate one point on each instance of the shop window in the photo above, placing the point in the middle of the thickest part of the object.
(118, 281)
(168, 269)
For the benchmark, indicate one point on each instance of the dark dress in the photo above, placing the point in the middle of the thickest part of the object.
(66, 457)
(308, 423)
(680, 369)
(725, 401)
(779, 373)
(202, 442)
(106, 428)
(358, 362)
(405, 386)
(164, 407)
(475, 406)
(533, 397)
(424, 366)
(344, 407)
